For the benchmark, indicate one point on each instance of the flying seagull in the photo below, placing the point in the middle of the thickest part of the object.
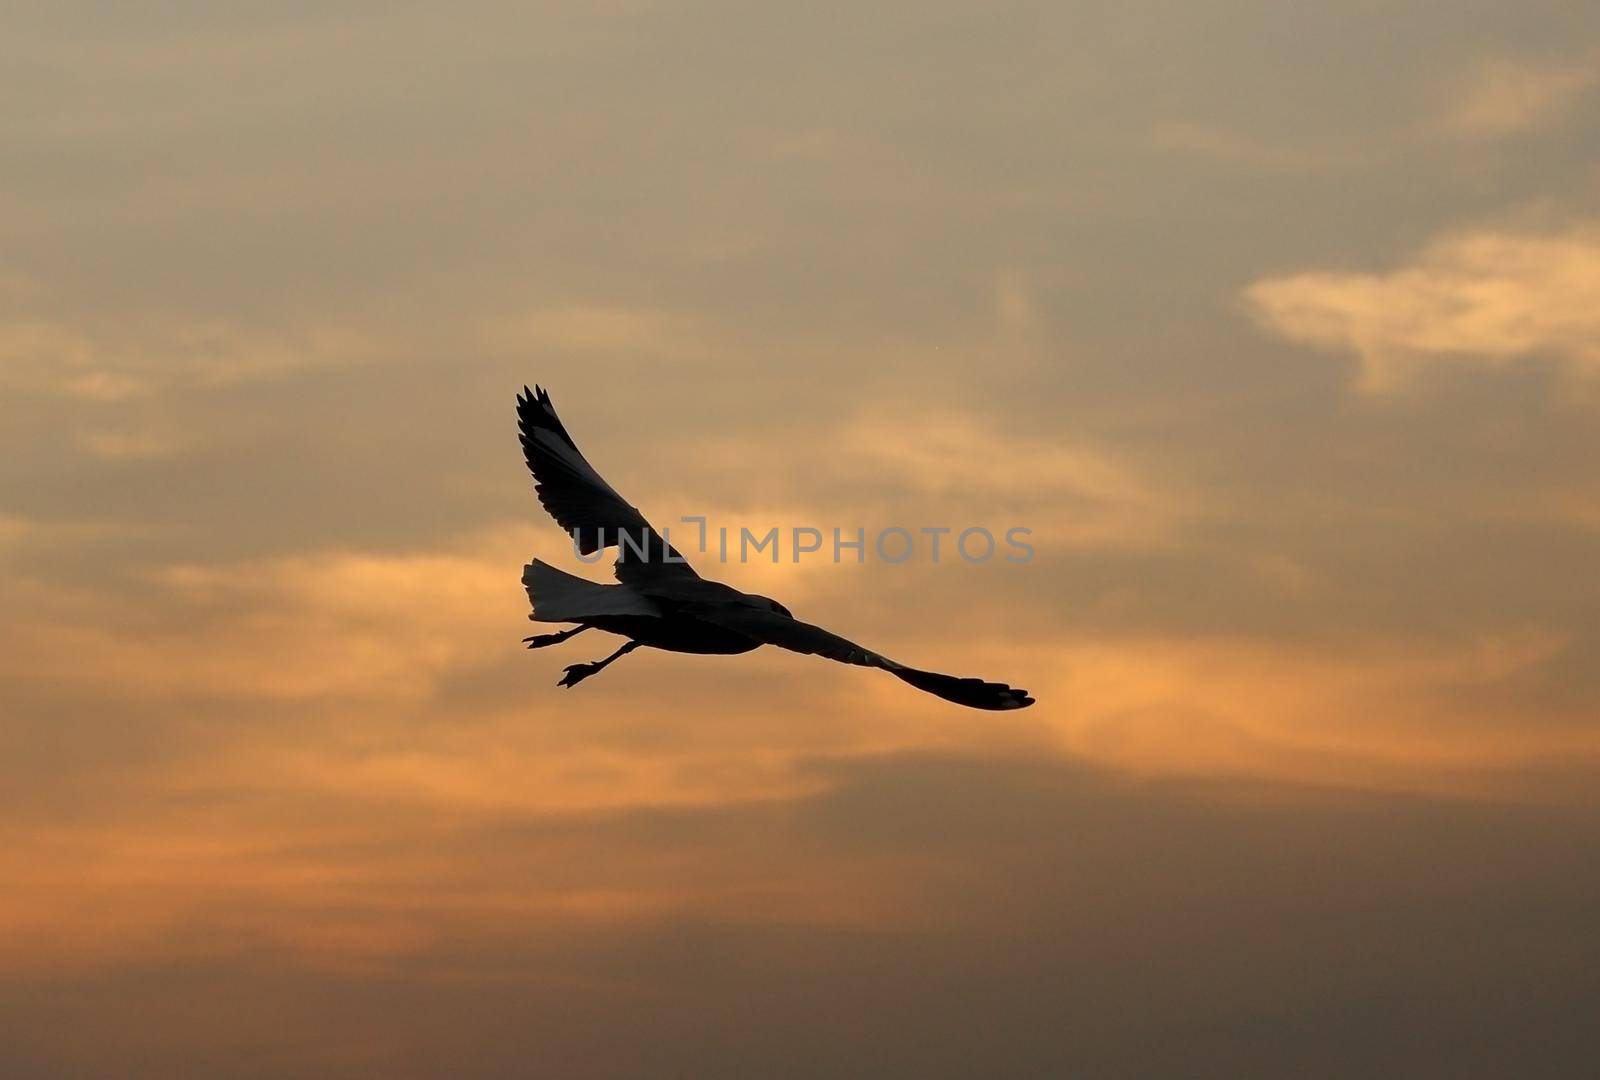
(659, 600)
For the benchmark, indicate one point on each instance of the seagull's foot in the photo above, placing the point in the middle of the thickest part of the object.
(576, 673)
(539, 641)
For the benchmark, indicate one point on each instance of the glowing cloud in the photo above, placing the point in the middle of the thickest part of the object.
(1488, 298)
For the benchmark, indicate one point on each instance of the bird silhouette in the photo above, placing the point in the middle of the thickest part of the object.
(659, 601)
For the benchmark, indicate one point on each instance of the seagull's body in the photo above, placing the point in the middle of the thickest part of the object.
(659, 601)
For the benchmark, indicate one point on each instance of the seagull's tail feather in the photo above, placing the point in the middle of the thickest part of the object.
(558, 596)
(974, 693)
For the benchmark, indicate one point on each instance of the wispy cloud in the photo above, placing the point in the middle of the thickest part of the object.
(1073, 494)
(1482, 297)
(1507, 96)
(596, 328)
(109, 358)
(1246, 151)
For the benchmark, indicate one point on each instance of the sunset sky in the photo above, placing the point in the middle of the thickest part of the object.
(1277, 322)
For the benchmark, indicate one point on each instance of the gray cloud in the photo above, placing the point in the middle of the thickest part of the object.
(1050, 918)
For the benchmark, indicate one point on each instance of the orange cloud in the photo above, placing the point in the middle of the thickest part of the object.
(1394, 715)
(1485, 297)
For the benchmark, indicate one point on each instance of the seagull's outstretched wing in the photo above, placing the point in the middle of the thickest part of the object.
(776, 628)
(580, 500)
